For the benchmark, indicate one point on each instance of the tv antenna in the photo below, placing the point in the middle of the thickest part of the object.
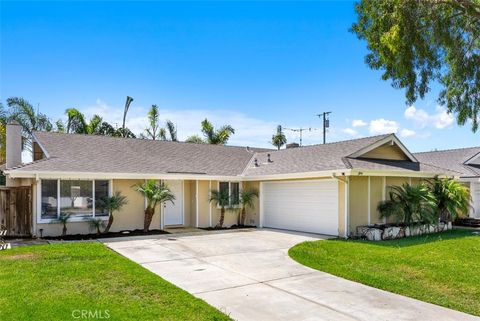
(300, 130)
(326, 123)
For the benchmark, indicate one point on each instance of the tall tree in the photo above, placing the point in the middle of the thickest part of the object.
(76, 123)
(416, 43)
(125, 132)
(30, 120)
(218, 136)
(153, 130)
(279, 139)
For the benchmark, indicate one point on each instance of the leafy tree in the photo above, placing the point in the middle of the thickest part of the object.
(220, 198)
(154, 193)
(247, 197)
(76, 123)
(123, 132)
(416, 43)
(195, 139)
(410, 204)
(218, 136)
(453, 199)
(30, 120)
(111, 204)
(279, 139)
(3, 137)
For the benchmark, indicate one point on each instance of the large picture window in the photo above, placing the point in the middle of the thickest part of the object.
(76, 197)
(233, 189)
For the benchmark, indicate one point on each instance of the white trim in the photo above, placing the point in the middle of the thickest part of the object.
(230, 192)
(369, 202)
(347, 208)
(93, 198)
(389, 139)
(260, 202)
(471, 159)
(210, 205)
(183, 202)
(196, 207)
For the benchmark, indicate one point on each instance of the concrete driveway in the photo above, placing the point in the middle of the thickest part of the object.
(248, 275)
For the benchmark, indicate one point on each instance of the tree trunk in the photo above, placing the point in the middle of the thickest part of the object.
(243, 216)
(148, 218)
(109, 224)
(64, 231)
(222, 217)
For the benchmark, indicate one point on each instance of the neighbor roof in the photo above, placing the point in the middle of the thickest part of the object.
(453, 159)
(73, 153)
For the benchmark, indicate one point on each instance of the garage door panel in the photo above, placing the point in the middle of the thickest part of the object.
(309, 206)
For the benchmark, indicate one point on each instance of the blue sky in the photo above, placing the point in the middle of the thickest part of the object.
(249, 64)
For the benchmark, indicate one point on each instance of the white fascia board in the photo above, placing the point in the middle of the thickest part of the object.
(366, 172)
(389, 139)
(472, 159)
(95, 175)
(329, 173)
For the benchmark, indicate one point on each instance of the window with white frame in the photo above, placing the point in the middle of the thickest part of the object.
(80, 198)
(233, 189)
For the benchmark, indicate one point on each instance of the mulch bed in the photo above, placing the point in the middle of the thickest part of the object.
(472, 222)
(93, 236)
(233, 227)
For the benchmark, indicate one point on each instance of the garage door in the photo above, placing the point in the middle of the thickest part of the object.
(307, 206)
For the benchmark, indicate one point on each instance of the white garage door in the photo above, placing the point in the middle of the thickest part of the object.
(307, 206)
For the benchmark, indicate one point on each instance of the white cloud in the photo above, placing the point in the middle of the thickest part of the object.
(383, 126)
(440, 119)
(407, 133)
(350, 132)
(358, 123)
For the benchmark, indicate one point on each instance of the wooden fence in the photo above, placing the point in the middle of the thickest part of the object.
(16, 210)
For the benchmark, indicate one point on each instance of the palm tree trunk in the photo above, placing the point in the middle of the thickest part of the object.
(64, 230)
(222, 217)
(109, 224)
(149, 211)
(243, 216)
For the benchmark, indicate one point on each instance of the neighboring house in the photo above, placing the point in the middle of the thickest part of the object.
(328, 189)
(465, 161)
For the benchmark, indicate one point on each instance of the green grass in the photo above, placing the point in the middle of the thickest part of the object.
(442, 268)
(50, 282)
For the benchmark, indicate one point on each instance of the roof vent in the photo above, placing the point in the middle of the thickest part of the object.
(255, 162)
(292, 145)
(269, 160)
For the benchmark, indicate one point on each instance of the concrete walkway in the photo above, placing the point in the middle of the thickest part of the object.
(248, 275)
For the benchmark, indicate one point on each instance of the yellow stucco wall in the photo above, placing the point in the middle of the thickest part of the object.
(386, 152)
(203, 204)
(253, 213)
(358, 201)
(376, 196)
(341, 208)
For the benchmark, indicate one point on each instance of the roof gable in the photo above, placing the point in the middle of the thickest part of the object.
(388, 148)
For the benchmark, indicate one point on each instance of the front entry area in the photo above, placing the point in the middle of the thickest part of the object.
(173, 213)
(306, 206)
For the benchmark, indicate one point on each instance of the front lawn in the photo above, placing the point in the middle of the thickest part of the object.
(442, 268)
(62, 281)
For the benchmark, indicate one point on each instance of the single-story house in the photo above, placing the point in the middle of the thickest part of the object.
(465, 161)
(327, 189)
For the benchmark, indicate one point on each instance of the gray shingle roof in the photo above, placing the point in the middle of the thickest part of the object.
(453, 159)
(100, 154)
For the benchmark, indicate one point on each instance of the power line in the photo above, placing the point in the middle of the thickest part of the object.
(300, 130)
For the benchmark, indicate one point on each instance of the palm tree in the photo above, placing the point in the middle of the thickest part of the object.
(172, 130)
(195, 139)
(410, 204)
(111, 204)
(453, 198)
(63, 219)
(247, 196)
(154, 193)
(153, 116)
(76, 123)
(124, 131)
(220, 198)
(30, 120)
(279, 139)
(216, 137)
(96, 224)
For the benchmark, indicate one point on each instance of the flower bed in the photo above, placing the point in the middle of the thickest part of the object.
(380, 232)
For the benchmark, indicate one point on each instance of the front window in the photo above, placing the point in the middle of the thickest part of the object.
(76, 197)
(49, 199)
(233, 189)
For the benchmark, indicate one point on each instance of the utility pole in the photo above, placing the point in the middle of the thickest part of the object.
(300, 130)
(326, 123)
